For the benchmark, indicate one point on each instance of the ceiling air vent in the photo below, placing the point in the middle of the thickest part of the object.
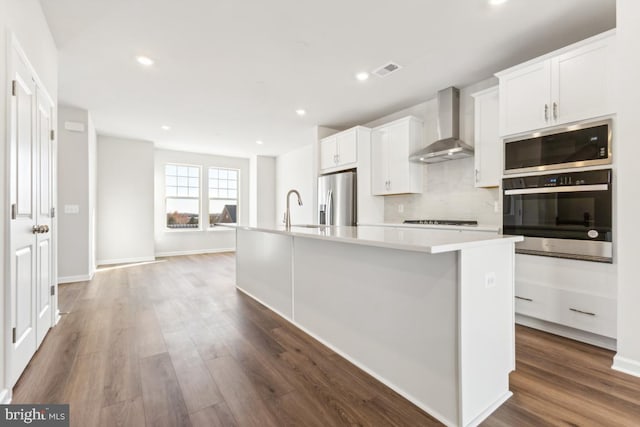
(387, 69)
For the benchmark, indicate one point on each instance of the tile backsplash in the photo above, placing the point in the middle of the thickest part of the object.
(448, 193)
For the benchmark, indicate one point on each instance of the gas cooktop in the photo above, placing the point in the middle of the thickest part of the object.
(440, 222)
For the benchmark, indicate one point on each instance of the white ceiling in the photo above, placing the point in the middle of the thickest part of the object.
(230, 72)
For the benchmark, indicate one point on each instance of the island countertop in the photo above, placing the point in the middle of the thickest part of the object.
(431, 241)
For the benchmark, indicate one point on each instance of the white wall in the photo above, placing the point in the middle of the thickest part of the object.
(628, 65)
(125, 191)
(448, 187)
(76, 186)
(262, 208)
(294, 170)
(26, 20)
(177, 242)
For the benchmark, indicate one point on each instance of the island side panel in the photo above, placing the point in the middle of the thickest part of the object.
(263, 268)
(487, 334)
(391, 312)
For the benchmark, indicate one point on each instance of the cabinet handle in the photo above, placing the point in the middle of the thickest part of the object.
(555, 110)
(477, 174)
(581, 312)
(546, 112)
(337, 158)
(524, 299)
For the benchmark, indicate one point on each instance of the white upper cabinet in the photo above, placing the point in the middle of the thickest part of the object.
(524, 98)
(391, 145)
(339, 151)
(488, 146)
(570, 85)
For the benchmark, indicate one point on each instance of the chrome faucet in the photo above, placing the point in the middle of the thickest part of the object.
(287, 214)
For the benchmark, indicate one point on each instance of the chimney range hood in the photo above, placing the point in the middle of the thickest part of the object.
(448, 146)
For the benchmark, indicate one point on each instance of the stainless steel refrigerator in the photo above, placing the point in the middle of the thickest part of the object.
(337, 199)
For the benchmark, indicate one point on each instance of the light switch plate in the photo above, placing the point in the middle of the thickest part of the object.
(72, 209)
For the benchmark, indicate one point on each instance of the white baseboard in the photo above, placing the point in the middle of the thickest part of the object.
(567, 332)
(5, 396)
(195, 252)
(125, 260)
(73, 279)
(628, 366)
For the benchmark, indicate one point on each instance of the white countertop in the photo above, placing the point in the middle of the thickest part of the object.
(431, 241)
(479, 227)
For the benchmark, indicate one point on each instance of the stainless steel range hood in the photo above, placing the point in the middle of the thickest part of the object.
(448, 146)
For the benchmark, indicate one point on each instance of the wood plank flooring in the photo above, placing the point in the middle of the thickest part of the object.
(172, 343)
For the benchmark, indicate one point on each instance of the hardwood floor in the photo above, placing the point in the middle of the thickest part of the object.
(172, 343)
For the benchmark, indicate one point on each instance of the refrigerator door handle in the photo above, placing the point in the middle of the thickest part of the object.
(329, 213)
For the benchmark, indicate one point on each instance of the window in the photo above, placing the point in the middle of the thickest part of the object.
(182, 196)
(223, 195)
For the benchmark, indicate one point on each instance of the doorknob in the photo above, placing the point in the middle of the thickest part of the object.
(35, 229)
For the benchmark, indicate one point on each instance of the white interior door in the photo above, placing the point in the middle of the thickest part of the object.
(44, 268)
(23, 251)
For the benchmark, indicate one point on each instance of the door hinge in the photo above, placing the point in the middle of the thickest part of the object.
(53, 290)
(14, 88)
(53, 212)
(14, 211)
(14, 335)
(53, 134)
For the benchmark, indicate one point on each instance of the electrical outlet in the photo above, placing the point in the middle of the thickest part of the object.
(490, 280)
(400, 208)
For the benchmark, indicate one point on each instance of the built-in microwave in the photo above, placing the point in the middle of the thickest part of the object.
(565, 215)
(578, 145)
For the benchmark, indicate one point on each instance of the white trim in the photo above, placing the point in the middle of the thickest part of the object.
(125, 260)
(195, 252)
(73, 279)
(487, 412)
(567, 332)
(5, 396)
(628, 366)
(446, 421)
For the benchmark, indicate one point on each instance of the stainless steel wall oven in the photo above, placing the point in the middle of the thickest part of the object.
(567, 215)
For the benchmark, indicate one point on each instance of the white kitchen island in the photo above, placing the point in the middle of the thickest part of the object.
(430, 313)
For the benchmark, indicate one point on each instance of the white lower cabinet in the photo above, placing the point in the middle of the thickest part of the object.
(579, 310)
(574, 294)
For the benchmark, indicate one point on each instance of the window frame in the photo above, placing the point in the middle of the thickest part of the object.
(207, 197)
(198, 198)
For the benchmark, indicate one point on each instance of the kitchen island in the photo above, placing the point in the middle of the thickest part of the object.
(427, 312)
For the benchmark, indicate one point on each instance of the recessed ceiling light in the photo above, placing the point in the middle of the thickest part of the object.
(165, 127)
(301, 112)
(362, 76)
(259, 142)
(144, 60)
(496, 2)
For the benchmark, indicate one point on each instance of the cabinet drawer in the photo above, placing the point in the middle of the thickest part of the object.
(587, 312)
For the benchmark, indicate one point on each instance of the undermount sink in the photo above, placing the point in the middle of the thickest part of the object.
(309, 225)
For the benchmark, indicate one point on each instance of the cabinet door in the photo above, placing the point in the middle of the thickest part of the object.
(328, 152)
(488, 150)
(525, 99)
(398, 154)
(582, 83)
(347, 143)
(379, 162)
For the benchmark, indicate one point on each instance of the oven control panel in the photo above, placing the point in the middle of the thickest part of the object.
(602, 176)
